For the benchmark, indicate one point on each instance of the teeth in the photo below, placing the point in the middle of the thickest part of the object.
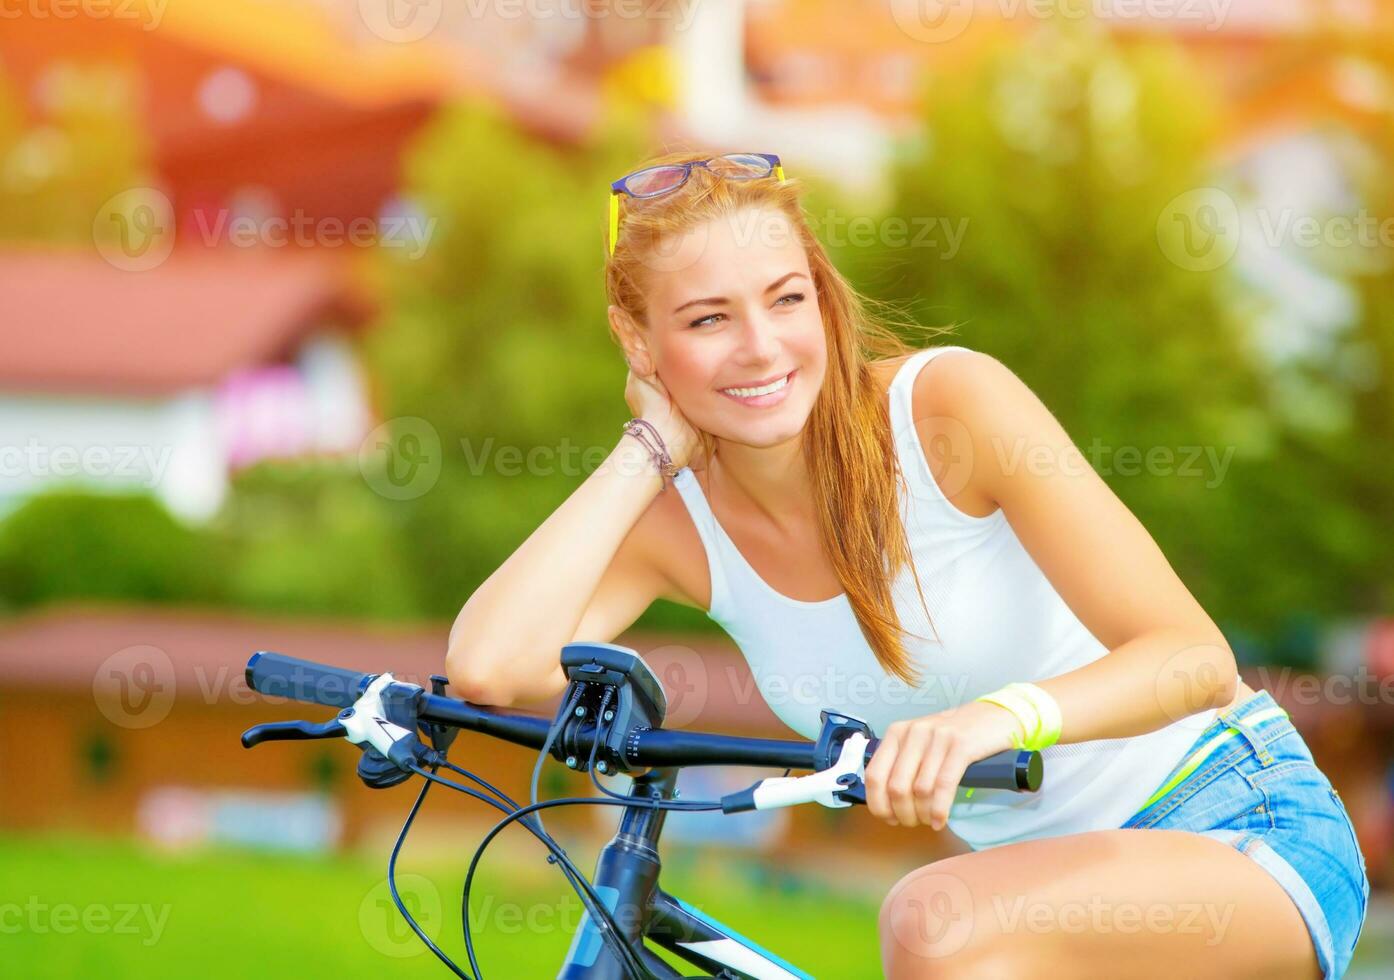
(763, 390)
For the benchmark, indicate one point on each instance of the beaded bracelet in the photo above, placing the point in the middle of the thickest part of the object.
(648, 437)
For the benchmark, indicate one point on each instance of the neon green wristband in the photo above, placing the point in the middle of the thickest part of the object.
(1035, 709)
(1021, 709)
(1048, 712)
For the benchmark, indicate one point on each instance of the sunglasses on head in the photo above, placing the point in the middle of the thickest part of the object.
(666, 178)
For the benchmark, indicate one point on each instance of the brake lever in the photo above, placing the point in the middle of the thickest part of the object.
(835, 786)
(291, 731)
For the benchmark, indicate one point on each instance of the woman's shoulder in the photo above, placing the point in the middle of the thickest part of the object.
(883, 372)
(975, 389)
(946, 399)
(929, 379)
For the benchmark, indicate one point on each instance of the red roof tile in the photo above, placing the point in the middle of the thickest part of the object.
(72, 322)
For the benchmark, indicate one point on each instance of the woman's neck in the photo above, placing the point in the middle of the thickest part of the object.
(773, 481)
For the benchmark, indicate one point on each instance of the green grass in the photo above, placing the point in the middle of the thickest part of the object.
(78, 907)
(73, 907)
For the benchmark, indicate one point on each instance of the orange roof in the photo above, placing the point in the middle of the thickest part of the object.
(302, 45)
(75, 323)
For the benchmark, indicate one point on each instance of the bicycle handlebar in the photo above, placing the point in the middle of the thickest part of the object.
(303, 680)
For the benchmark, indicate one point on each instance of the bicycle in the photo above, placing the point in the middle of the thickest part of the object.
(610, 721)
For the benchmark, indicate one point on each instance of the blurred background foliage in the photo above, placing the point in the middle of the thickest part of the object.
(94, 133)
(1058, 148)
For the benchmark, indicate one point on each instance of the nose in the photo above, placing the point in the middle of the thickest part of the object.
(759, 341)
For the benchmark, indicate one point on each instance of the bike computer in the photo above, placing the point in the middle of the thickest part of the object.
(615, 677)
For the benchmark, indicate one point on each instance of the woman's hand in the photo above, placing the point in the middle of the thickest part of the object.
(649, 400)
(914, 773)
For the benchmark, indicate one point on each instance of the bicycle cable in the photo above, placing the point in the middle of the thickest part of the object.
(575, 801)
(569, 870)
(397, 899)
(558, 856)
(605, 922)
(630, 800)
(447, 764)
(594, 905)
(547, 745)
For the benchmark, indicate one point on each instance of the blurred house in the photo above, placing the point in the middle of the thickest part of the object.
(248, 108)
(313, 116)
(222, 337)
(138, 711)
(1300, 107)
(806, 53)
(309, 105)
(550, 65)
(166, 381)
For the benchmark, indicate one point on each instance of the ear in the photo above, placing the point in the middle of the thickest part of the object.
(631, 338)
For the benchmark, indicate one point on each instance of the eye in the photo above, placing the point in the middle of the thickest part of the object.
(711, 317)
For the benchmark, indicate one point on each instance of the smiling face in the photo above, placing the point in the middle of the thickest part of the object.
(734, 328)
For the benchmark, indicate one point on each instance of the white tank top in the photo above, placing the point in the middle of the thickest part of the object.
(998, 619)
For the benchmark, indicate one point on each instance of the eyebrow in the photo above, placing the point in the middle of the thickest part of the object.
(722, 300)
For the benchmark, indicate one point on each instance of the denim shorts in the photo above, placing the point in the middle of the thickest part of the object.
(1260, 792)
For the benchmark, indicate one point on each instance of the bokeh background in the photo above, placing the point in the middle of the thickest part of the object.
(302, 332)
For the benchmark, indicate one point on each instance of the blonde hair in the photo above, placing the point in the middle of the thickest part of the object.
(848, 444)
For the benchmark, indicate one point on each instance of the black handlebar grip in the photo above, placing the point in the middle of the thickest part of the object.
(1018, 770)
(1014, 769)
(304, 680)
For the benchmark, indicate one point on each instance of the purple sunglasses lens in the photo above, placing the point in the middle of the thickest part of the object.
(646, 183)
(741, 165)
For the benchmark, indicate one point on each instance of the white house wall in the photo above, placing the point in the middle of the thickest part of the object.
(167, 447)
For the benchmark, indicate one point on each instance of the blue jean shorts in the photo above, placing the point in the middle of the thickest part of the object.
(1259, 791)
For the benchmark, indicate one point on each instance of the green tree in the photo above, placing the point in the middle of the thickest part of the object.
(1061, 154)
(65, 544)
(497, 339)
(310, 538)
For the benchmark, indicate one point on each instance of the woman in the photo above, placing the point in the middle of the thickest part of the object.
(914, 540)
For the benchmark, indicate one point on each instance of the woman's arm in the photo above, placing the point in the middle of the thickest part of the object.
(1167, 657)
(593, 566)
(505, 643)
